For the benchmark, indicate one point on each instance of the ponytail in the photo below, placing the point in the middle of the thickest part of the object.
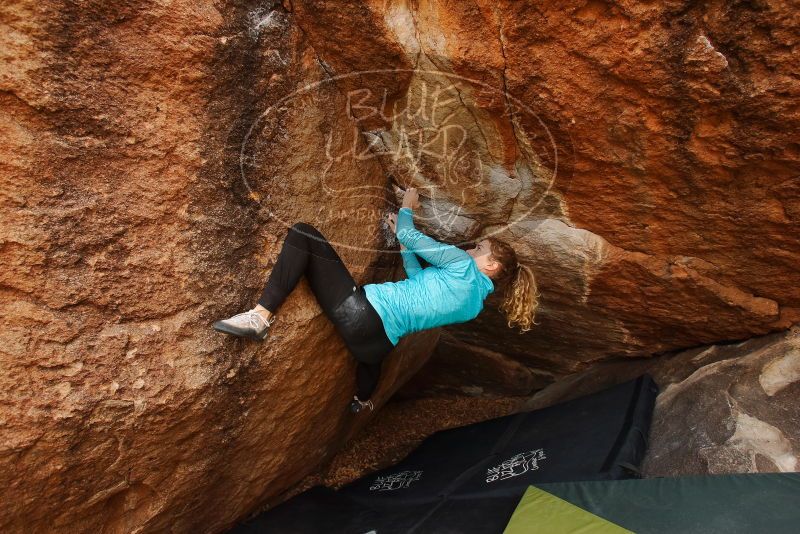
(521, 295)
(521, 299)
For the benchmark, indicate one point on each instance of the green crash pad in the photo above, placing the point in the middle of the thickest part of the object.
(714, 504)
(542, 512)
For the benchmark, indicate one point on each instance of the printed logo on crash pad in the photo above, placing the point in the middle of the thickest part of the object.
(516, 465)
(400, 480)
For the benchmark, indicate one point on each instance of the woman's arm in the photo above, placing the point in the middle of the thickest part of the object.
(432, 251)
(410, 262)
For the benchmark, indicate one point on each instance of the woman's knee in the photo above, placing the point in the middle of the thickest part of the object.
(299, 231)
(304, 228)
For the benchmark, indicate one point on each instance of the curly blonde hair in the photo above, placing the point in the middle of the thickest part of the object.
(521, 297)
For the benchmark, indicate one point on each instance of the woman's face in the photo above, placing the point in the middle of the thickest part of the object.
(481, 253)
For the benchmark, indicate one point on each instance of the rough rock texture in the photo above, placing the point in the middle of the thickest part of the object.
(485, 373)
(128, 228)
(737, 413)
(726, 408)
(641, 157)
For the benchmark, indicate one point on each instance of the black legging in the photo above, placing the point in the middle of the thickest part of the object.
(306, 251)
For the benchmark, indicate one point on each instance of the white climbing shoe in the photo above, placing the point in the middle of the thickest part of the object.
(358, 405)
(249, 324)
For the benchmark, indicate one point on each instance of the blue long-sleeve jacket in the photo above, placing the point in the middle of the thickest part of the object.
(451, 290)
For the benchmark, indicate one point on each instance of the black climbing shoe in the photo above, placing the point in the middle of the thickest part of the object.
(357, 405)
(249, 324)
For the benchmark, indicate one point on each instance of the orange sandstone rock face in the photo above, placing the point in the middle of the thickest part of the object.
(128, 227)
(642, 158)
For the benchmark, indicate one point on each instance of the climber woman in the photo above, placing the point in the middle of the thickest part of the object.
(372, 318)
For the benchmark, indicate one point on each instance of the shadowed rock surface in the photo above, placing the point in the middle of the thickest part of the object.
(737, 413)
(728, 408)
(642, 158)
(698, 426)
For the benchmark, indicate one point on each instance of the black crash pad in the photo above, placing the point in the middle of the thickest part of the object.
(470, 478)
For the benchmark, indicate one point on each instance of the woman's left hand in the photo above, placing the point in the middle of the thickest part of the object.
(391, 220)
